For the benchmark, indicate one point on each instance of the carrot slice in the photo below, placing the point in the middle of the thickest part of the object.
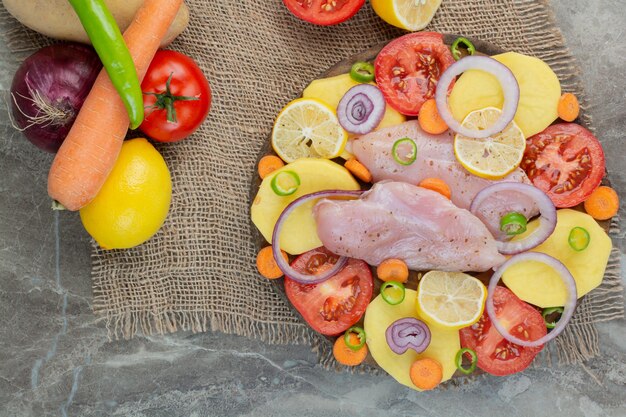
(435, 184)
(266, 264)
(568, 107)
(93, 144)
(358, 170)
(393, 270)
(269, 164)
(346, 356)
(426, 373)
(429, 119)
(603, 203)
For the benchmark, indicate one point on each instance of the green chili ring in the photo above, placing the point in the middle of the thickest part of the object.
(513, 223)
(362, 72)
(458, 360)
(288, 178)
(390, 299)
(410, 157)
(360, 333)
(549, 311)
(579, 239)
(464, 42)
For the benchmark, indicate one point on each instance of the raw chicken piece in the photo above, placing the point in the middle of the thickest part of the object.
(435, 159)
(400, 220)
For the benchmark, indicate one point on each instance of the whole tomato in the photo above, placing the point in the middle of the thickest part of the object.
(177, 97)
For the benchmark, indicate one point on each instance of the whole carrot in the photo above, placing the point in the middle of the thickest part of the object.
(90, 150)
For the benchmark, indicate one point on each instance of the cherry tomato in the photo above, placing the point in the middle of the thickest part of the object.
(408, 69)
(566, 161)
(177, 97)
(324, 12)
(333, 306)
(496, 355)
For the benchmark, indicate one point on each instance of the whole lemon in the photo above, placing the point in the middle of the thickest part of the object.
(133, 202)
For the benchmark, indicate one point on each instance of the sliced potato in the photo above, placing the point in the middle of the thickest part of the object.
(379, 315)
(538, 284)
(540, 92)
(300, 230)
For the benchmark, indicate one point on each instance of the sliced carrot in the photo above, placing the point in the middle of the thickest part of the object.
(393, 270)
(435, 184)
(603, 203)
(429, 119)
(346, 356)
(568, 107)
(358, 169)
(269, 164)
(93, 144)
(266, 264)
(426, 373)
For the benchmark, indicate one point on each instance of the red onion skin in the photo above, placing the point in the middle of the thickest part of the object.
(62, 75)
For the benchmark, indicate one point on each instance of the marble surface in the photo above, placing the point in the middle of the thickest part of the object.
(55, 359)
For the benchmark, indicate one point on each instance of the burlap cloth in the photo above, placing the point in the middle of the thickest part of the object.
(198, 273)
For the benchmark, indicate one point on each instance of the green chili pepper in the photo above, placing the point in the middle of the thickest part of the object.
(579, 239)
(513, 223)
(459, 361)
(548, 312)
(396, 292)
(409, 157)
(360, 333)
(285, 183)
(362, 72)
(108, 42)
(461, 41)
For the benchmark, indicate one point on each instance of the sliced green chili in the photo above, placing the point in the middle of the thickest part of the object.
(409, 157)
(109, 43)
(392, 292)
(551, 311)
(459, 361)
(360, 333)
(579, 239)
(513, 223)
(285, 183)
(362, 72)
(462, 42)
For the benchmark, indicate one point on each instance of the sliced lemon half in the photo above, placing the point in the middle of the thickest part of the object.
(308, 128)
(450, 299)
(493, 157)
(406, 14)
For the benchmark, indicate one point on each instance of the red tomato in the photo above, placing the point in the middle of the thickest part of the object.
(496, 355)
(408, 69)
(324, 12)
(333, 306)
(187, 81)
(566, 161)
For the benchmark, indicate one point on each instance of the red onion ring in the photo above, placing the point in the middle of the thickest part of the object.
(408, 333)
(507, 80)
(280, 261)
(547, 211)
(361, 109)
(569, 307)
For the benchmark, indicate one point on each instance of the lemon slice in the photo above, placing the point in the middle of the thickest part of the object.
(493, 157)
(450, 299)
(406, 14)
(308, 128)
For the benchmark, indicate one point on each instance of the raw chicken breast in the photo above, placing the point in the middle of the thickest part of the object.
(400, 220)
(435, 159)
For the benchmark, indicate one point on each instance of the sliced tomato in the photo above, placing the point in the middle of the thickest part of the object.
(408, 69)
(324, 12)
(333, 306)
(566, 161)
(496, 355)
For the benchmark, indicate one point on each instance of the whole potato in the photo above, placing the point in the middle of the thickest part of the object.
(56, 18)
